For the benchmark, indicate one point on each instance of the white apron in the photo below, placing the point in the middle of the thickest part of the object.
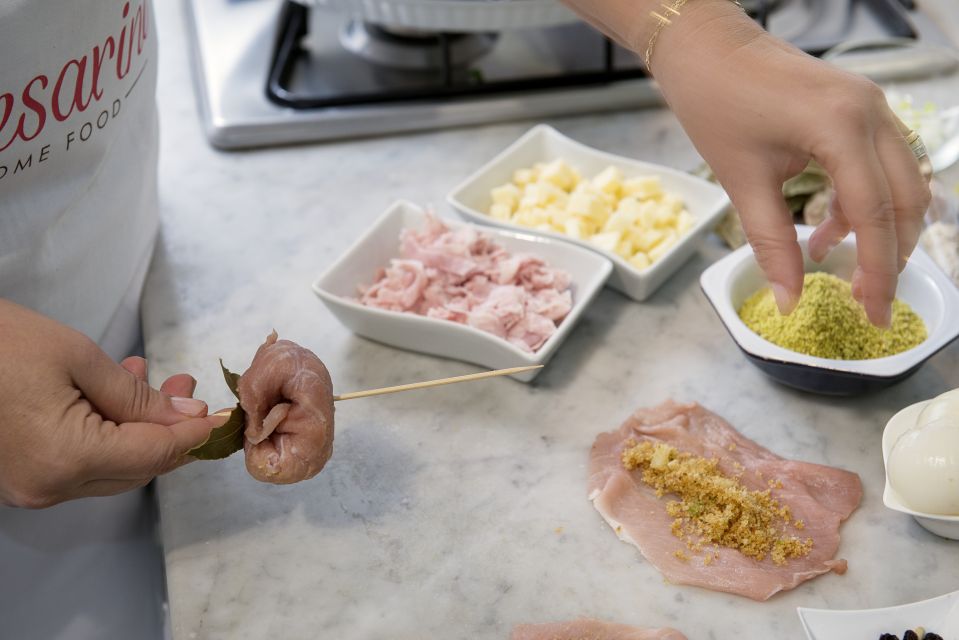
(78, 219)
(78, 146)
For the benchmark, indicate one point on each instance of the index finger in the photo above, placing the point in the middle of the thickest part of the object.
(135, 450)
(866, 200)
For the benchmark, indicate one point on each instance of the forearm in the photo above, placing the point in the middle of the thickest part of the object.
(702, 26)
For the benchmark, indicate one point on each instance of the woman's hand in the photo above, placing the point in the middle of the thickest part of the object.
(758, 110)
(73, 423)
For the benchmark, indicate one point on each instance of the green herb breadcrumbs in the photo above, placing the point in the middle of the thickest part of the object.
(829, 323)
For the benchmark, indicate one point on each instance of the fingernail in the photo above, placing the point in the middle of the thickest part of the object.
(826, 250)
(818, 248)
(856, 285)
(189, 406)
(785, 300)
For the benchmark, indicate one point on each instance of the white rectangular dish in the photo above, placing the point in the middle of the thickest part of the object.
(705, 201)
(337, 288)
(938, 615)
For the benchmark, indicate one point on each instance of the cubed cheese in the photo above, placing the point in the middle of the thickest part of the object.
(625, 248)
(629, 206)
(508, 194)
(619, 221)
(685, 222)
(664, 245)
(559, 174)
(609, 180)
(674, 203)
(589, 206)
(531, 217)
(640, 260)
(647, 239)
(607, 241)
(523, 177)
(647, 215)
(664, 216)
(576, 228)
(642, 187)
(558, 215)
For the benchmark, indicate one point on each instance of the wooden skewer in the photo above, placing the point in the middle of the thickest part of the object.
(434, 383)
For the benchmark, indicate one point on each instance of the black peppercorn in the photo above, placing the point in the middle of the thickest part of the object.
(910, 635)
(888, 636)
(932, 636)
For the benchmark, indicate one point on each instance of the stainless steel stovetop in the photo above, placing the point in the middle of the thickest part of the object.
(319, 90)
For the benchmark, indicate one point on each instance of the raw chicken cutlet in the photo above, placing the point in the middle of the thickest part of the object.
(589, 629)
(287, 395)
(463, 276)
(818, 498)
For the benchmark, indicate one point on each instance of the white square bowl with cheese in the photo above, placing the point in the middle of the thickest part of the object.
(338, 289)
(705, 202)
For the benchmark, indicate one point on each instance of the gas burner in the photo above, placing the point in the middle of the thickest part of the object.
(413, 50)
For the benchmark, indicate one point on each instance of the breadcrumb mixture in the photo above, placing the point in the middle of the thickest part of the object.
(714, 508)
(829, 323)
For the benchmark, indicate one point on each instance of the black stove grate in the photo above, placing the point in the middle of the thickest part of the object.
(303, 78)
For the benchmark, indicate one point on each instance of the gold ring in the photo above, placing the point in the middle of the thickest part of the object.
(916, 145)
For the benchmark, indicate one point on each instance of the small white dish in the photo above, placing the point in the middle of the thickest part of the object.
(337, 288)
(936, 615)
(922, 285)
(705, 201)
(944, 526)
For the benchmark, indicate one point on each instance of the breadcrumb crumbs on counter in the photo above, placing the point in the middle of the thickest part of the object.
(680, 555)
(713, 508)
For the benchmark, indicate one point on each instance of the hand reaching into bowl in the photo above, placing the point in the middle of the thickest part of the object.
(758, 110)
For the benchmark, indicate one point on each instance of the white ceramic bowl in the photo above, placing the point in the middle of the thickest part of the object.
(937, 615)
(705, 201)
(945, 526)
(922, 285)
(337, 288)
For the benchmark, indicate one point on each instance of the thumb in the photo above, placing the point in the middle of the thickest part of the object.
(121, 396)
(771, 233)
(133, 451)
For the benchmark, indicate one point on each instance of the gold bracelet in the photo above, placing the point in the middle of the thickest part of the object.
(664, 19)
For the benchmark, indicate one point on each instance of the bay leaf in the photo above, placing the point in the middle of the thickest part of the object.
(224, 440)
(232, 379)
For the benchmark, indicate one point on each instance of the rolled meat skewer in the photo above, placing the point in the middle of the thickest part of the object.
(287, 395)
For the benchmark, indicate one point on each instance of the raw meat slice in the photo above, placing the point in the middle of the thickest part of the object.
(821, 497)
(589, 629)
(288, 398)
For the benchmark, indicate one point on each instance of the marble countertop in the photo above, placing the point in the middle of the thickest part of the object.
(460, 511)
